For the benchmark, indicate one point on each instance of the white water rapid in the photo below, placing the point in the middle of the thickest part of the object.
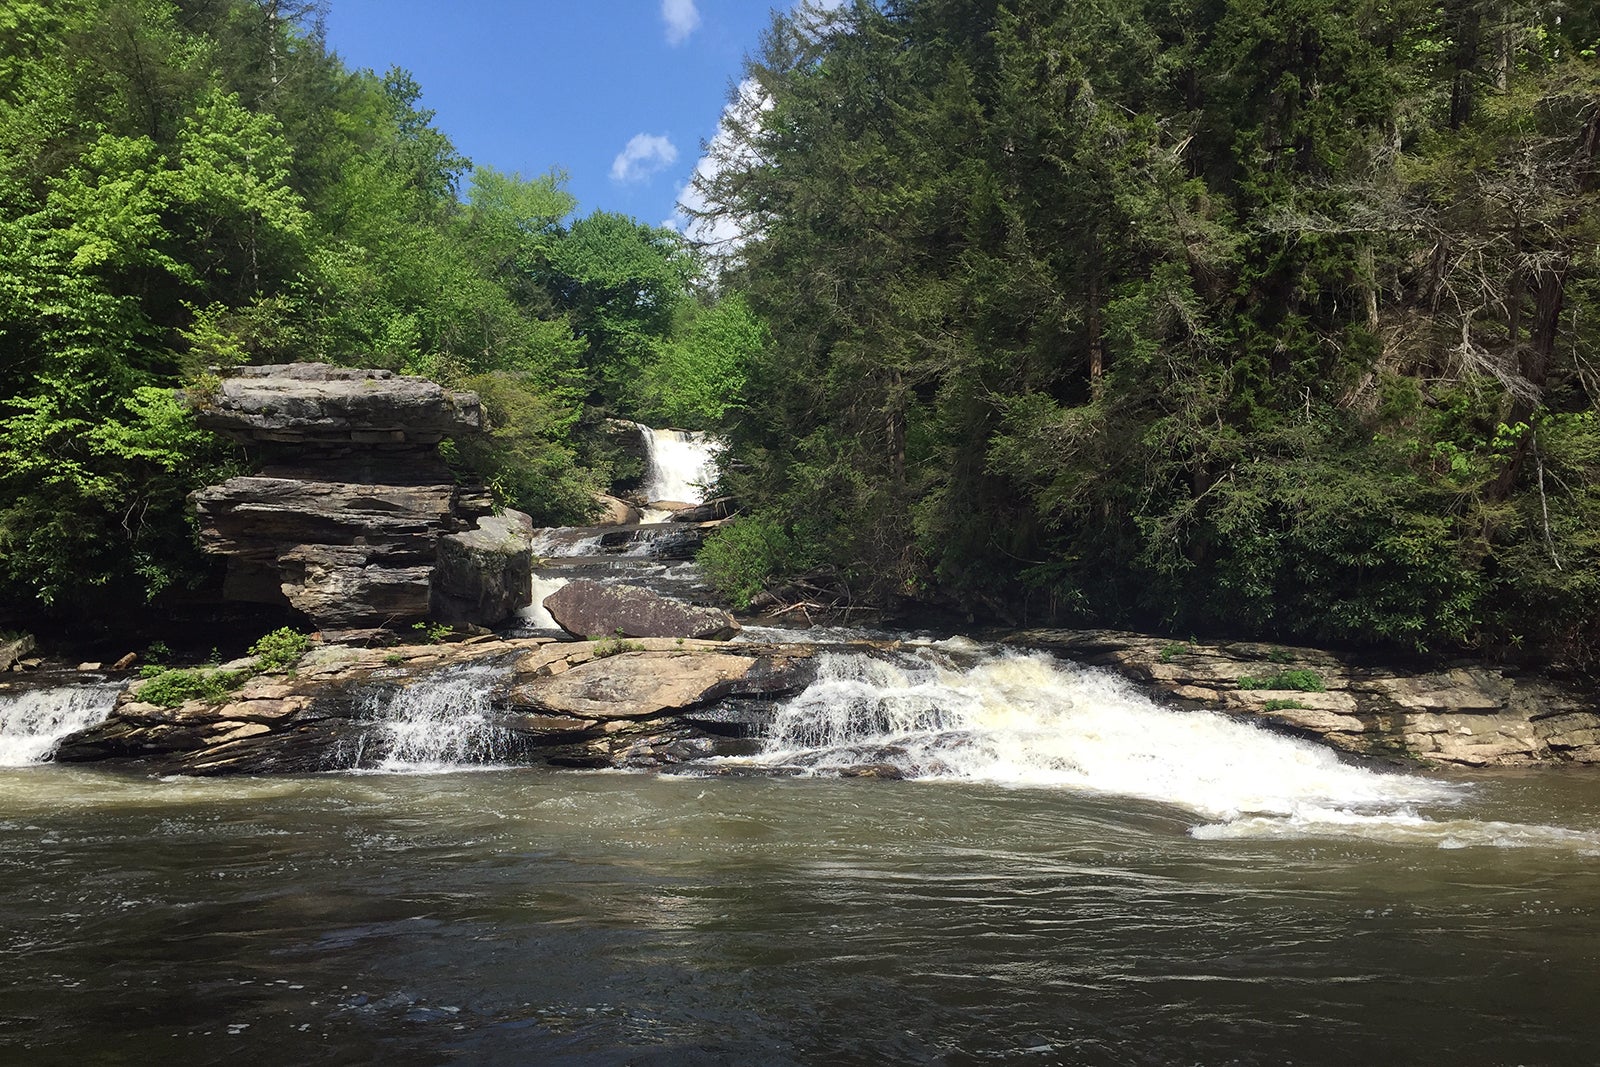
(1027, 720)
(680, 465)
(440, 722)
(33, 721)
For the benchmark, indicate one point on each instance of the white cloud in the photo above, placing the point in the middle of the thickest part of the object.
(681, 18)
(645, 154)
(722, 235)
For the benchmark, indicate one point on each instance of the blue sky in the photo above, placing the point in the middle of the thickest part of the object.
(526, 85)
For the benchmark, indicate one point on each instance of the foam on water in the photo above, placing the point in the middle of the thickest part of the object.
(33, 721)
(1021, 719)
(535, 616)
(441, 722)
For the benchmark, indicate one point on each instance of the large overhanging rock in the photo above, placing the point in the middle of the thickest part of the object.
(592, 609)
(313, 402)
(356, 521)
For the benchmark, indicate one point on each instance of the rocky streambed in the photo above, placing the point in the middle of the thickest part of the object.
(609, 703)
(657, 702)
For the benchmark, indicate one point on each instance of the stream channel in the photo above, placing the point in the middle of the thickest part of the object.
(1071, 874)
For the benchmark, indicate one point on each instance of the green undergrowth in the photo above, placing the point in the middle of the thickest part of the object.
(1305, 681)
(169, 687)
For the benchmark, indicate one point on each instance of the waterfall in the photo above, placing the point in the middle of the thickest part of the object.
(439, 722)
(31, 722)
(1026, 720)
(534, 616)
(680, 464)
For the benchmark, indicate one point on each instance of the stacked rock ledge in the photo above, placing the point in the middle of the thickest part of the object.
(355, 520)
(574, 704)
(1468, 715)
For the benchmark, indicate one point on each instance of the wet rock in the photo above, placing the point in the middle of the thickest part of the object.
(565, 703)
(586, 608)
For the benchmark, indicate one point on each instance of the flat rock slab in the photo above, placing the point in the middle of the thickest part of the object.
(314, 402)
(643, 684)
(598, 609)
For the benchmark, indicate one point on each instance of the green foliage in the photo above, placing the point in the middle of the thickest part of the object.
(1277, 322)
(170, 687)
(1174, 650)
(1306, 681)
(1279, 704)
(743, 559)
(433, 633)
(279, 650)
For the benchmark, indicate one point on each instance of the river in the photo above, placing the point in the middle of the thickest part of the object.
(536, 916)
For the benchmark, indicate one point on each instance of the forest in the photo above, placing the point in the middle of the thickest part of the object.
(1196, 316)
(1204, 316)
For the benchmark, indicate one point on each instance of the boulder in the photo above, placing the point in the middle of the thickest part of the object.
(13, 648)
(344, 587)
(484, 575)
(615, 512)
(355, 520)
(589, 608)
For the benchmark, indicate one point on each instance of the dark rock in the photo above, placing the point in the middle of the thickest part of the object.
(712, 510)
(484, 575)
(586, 608)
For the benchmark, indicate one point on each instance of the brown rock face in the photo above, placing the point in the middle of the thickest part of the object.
(592, 609)
(355, 520)
(1468, 715)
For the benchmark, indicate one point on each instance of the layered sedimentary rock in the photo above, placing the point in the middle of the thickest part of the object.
(354, 510)
(1467, 714)
(657, 703)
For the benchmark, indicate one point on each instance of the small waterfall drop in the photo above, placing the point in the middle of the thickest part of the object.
(31, 722)
(681, 463)
(441, 722)
(1026, 720)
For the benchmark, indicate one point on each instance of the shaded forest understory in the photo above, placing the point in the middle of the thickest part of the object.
(1277, 320)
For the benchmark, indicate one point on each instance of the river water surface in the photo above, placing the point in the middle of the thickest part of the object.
(533, 916)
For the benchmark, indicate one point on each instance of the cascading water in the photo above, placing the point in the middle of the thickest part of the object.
(33, 721)
(1017, 719)
(440, 722)
(680, 465)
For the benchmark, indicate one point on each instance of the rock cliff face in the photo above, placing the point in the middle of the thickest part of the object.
(1468, 715)
(354, 510)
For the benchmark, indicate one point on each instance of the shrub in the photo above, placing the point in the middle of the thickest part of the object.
(279, 650)
(173, 686)
(1306, 681)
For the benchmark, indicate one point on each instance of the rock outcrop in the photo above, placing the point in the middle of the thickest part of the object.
(355, 520)
(1467, 714)
(654, 703)
(597, 609)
